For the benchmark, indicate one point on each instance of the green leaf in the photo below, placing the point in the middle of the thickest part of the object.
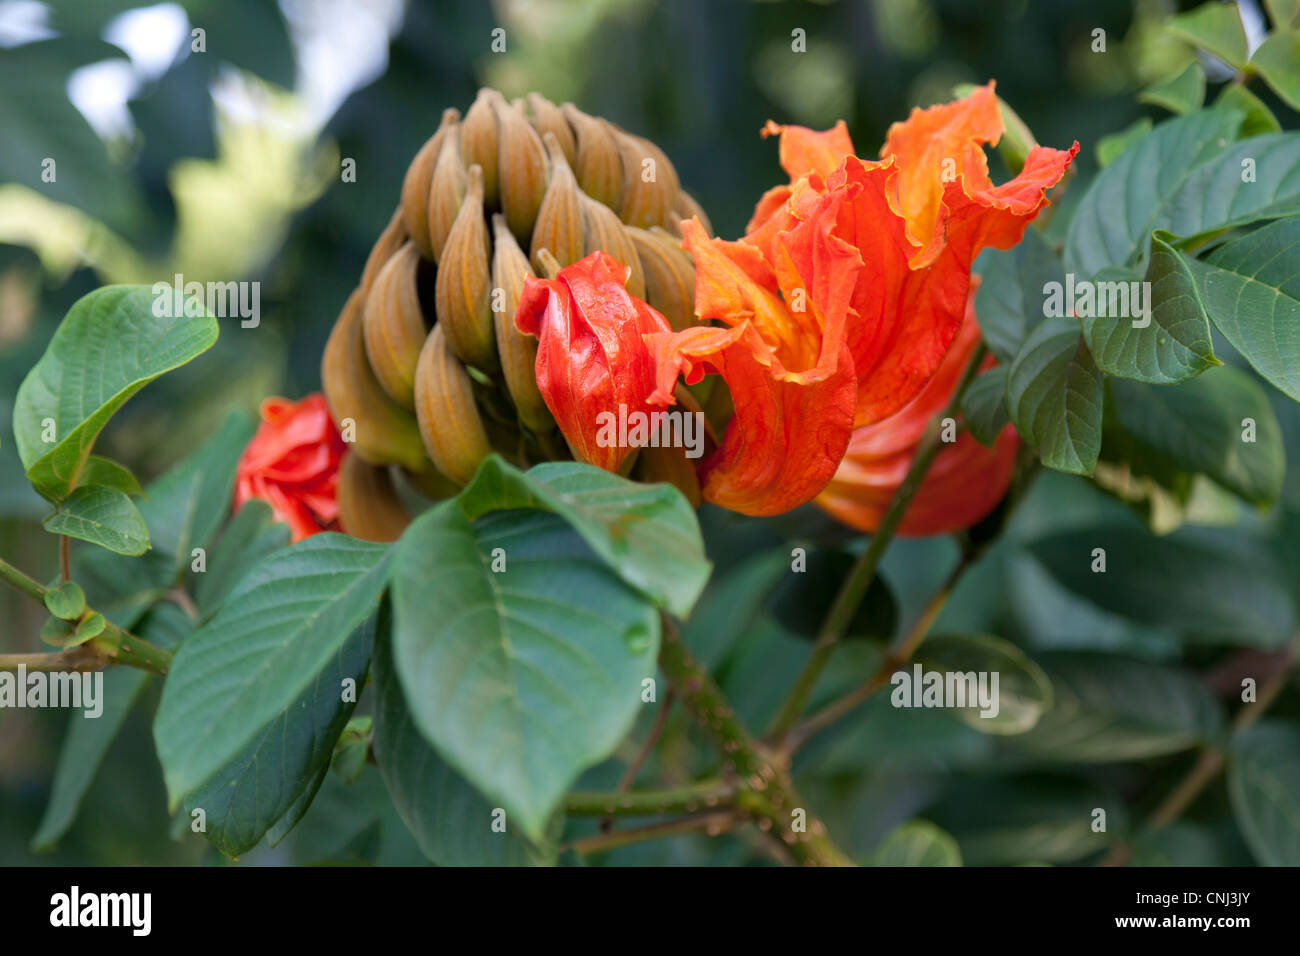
(800, 600)
(1251, 290)
(1182, 844)
(1013, 283)
(1110, 148)
(284, 624)
(1131, 196)
(646, 533)
(57, 632)
(88, 738)
(1054, 396)
(1181, 93)
(917, 843)
(108, 347)
(1023, 692)
(984, 406)
(451, 821)
(1213, 587)
(1168, 344)
(1109, 709)
(521, 678)
(102, 516)
(1259, 118)
(251, 535)
(1257, 179)
(1285, 14)
(91, 627)
(106, 472)
(1277, 60)
(1264, 784)
(1000, 821)
(731, 605)
(67, 601)
(1215, 27)
(279, 771)
(352, 749)
(1198, 427)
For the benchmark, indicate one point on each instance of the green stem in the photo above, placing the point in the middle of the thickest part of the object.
(765, 794)
(855, 585)
(21, 582)
(691, 798)
(711, 823)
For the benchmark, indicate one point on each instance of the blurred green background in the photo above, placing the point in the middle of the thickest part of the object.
(225, 165)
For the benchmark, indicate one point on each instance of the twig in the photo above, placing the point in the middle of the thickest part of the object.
(629, 775)
(712, 824)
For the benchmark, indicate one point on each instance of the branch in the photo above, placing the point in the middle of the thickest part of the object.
(855, 585)
(706, 794)
(712, 824)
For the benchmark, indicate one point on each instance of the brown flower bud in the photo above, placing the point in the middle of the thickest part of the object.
(394, 325)
(521, 162)
(446, 194)
(599, 164)
(369, 507)
(650, 182)
(688, 208)
(376, 427)
(415, 187)
(518, 350)
(461, 291)
(479, 136)
(669, 275)
(559, 221)
(603, 230)
(389, 241)
(449, 420)
(547, 118)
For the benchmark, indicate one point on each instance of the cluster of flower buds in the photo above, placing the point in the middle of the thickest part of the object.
(426, 371)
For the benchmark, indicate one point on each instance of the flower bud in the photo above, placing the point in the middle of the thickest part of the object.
(446, 194)
(688, 208)
(547, 118)
(389, 241)
(650, 184)
(393, 325)
(669, 275)
(592, 361)
(521, 162)
(376, 427)
(559, 221)
(463, 286)
(605, 232)
(449, 420)
(479, 136)
(415, 187)
(369, 507)
(518, 351)
(599, 164)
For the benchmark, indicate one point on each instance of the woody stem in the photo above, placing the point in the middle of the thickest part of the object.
(855, 585)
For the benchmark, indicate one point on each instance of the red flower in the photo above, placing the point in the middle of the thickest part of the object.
(591, 357)
(292, 464)
(965, 481)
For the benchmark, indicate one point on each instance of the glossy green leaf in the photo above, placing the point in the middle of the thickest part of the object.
(66, 601)
(1255, 180)
(1259, 118)
(1277, 60)
(102, 516)
(1264, 784)
(1285, 14)
(1054, 396)
(91, 626)
(984, 406)
(1203, 427)
(105, 471)
(1217, 588)
(108, 347)
(450, 819)
(1012, 292)
(1215, 27)
(1109, 148)
(1181, 93)
(1251, 290)
(1130, 197)
(1023, 693)
(917, 843)
(646, 533)
(283, 625)
(251, 535)
(1162, 340)
(524, 675)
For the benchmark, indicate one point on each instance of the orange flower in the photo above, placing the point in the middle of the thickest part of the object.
(965, 481)
(292, 463)
(854, 276)
(591, 357)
